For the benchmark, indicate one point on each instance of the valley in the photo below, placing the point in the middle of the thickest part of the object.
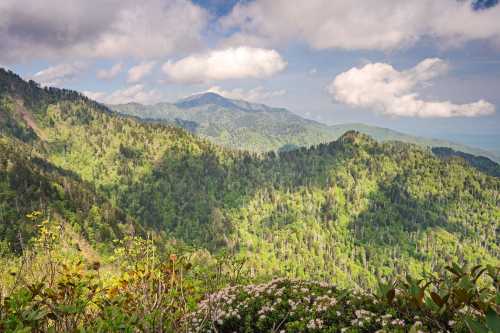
(347, 212)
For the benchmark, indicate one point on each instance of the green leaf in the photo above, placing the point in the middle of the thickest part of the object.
(454, 271)
(475, 326)
(493, 320)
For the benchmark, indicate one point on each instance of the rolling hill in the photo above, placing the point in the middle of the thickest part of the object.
(347, 211)
(257, 127)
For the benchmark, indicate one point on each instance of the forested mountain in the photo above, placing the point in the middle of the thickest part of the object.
(233, 123)
(30, 183)
(347, 211)
(479, 162)
(258, 127)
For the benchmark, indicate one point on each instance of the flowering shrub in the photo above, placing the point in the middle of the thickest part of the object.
(410, 305)
(54, 289)
(284, 305)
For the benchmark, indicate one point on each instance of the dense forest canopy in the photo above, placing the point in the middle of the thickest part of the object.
(348, 212)
(257, 127)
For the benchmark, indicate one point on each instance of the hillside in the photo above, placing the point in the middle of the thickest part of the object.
(233, 123)
(111, 223)
(349, 210)
(257, 127)
(30, 183)
(479, 162)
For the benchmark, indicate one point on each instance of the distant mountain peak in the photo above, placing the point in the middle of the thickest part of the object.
(213, 99)
(206, 98)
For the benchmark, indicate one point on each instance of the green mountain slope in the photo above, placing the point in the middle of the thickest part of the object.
(30, 183)
(479, 162)
(346, 210)
(233, 123)
(257, 127)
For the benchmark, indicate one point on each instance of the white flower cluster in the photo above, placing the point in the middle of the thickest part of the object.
(233, 302)
(363, 317)
(323, 303)
(282, 301)
(314, 324)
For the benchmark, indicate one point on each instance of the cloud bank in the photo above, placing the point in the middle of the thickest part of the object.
(118, 28)
(136, 93)
(346, 24)
(230, 63)
(59, 74)
(382, 88)
(111, 73)
(138, 72)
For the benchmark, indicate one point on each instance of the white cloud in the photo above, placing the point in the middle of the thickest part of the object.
(230, 63)
(108, 74)
(136, 73)
(252, 95)
(382, 88)
(95, 28)
(95, 95)
(58, 74)
(136, 93)
(347, 24)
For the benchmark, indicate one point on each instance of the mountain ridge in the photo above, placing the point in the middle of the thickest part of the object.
(347, 210)
(238, 121)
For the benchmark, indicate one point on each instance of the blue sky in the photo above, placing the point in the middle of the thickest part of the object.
(424, 67)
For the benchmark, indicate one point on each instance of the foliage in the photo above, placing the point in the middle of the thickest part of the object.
(258, 127)
(479, 162)
(111, 224)
(409, 304)
(349, 210)
(29, 182)
(54, 289)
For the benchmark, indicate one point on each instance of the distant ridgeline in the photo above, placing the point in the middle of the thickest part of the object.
(258, 127)
(348, 210)
(479, 162)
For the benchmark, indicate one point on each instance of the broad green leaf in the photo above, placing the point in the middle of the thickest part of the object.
(475, 326)
(493, 321)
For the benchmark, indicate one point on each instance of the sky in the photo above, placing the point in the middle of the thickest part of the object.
(426, 67)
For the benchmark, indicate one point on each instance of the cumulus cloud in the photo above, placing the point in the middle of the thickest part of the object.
(230, 63)
(58, 74)
(252, 95)
(345, 24)
(136, 73)
(382, 88)
(74, 28)
(135, 93)
(111, 73)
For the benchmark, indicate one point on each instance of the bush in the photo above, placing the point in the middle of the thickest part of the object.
(464, 300)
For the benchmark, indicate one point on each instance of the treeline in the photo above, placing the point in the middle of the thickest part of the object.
(58, 285)
(349, 210)
(481, 163)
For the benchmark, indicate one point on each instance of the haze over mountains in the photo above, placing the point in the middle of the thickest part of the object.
(258, 127)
